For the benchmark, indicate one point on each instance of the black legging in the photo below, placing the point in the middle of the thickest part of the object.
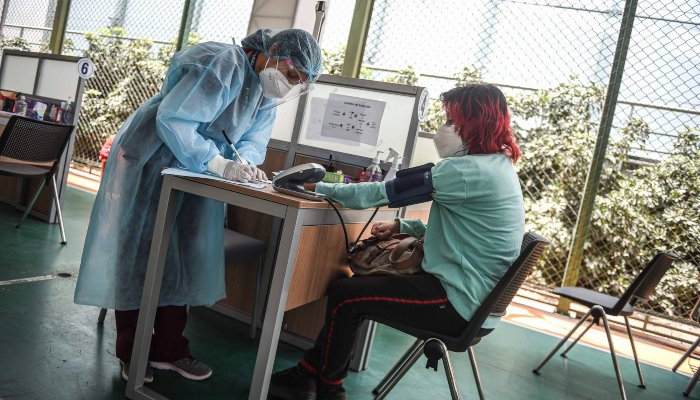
(410, 300)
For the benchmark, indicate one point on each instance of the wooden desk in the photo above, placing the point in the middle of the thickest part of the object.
(295, 213)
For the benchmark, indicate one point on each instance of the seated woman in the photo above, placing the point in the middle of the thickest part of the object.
(476, 228)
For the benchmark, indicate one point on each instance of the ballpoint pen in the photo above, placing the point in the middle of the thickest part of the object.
(241, 159)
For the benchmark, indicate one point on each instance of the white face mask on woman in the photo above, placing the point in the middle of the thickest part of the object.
(448, 143)
(274, 84)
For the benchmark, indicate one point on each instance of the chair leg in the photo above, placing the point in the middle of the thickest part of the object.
(103, 314)
(561, 343)
(692, 383)
(397, 366)
(686, 354)
(618, 374)
(634, 352)
(577, 339)
(31, 203)
(401, 372)
(58, 209)
(256, 299)
(475, 369)
(449, 371)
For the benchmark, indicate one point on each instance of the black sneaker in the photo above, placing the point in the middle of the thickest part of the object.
(293, 383)
(189, 367)
(331, 392)
(125, 372)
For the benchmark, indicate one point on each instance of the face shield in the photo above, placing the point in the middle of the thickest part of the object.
(283, 82)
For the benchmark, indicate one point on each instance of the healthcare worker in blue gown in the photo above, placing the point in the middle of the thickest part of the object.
(209, 87)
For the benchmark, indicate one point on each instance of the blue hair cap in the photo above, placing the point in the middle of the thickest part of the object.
(294, 44)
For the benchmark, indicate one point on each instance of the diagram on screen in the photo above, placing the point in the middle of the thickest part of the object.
(353, 118)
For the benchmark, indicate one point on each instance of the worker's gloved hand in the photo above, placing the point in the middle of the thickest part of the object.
(259, 175)
(231, 170)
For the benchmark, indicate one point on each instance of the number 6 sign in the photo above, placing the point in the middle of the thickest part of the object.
(86, 69)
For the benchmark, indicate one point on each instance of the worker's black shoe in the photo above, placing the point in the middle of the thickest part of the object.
(330, 392)
(189, 367)
(294, 383)
(148, 378)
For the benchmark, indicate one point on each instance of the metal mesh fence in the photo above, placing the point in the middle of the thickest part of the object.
(335, 35)
(553, 59)
(27, 30)
(131, 51)
(648, 198)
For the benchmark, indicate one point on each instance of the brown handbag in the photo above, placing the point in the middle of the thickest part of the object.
(398, 254)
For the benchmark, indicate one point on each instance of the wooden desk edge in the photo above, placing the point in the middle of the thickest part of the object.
(266, 193)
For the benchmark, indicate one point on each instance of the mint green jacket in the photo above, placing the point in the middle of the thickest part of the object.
(477, 222)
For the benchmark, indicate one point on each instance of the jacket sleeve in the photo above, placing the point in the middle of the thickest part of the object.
(195, 98)
(253, 144)
(413, 227)
(358, 196)
(449, 185)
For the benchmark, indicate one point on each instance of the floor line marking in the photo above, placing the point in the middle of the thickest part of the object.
(32, 279)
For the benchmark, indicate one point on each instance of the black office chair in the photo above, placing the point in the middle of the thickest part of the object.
(602, 305)
(33, 141)
(695, 316)
(237, 248)
(436, 346)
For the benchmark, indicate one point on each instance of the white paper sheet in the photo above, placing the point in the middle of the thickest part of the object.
(317, 112)
(184, 172)
(353, 118)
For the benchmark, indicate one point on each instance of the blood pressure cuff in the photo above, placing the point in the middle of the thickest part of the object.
(411, 186)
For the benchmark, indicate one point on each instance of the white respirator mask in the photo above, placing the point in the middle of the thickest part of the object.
(274, 84)
(448, 143)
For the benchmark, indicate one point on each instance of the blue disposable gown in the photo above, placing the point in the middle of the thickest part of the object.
(208, 87)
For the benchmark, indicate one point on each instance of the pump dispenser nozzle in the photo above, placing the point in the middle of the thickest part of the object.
(374, 171)
(395, 159)
(393, 154)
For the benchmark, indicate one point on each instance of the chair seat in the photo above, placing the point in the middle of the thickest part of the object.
(240, 247)
(453, 343)
(591, 298)
(25, 170)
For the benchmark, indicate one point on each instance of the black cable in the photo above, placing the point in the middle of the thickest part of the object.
(349, 249)
(345, 231)
(363, 230)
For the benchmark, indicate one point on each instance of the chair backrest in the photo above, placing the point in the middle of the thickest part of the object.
(644, 285)
(27, 139)
(502, 294)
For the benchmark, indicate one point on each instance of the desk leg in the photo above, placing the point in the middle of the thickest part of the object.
(269, 265)
(151, 293)
(277, 300)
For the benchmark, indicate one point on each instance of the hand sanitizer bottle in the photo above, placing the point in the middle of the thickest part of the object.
(374, 171)
(21, 106)
(395, 160)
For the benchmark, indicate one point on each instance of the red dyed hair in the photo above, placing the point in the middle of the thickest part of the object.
(480, 115)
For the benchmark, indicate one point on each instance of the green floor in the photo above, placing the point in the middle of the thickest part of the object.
(53, 349)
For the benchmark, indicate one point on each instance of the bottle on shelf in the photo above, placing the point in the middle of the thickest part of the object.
(21, 106)
(362, 177)
(68, 112)
(395, 159)
(374, 171)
